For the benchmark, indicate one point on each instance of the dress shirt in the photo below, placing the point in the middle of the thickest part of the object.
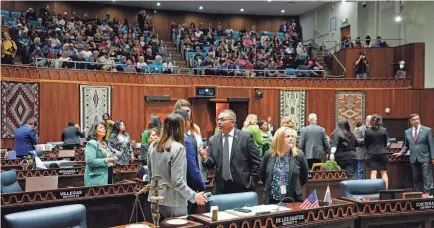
(230, 140)
(418, 131)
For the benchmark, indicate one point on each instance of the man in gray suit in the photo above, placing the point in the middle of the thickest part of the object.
(362, 151)
(234, 154)
(419, 140)
(313, 141)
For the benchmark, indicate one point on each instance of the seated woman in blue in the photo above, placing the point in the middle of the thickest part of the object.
(284, 168)
(97, 155)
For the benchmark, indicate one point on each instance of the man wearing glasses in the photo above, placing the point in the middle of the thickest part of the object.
(234, 154)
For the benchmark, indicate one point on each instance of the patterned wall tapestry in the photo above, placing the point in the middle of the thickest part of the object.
(350, 105)
(20, 102)
(293, 103)
(94, 102)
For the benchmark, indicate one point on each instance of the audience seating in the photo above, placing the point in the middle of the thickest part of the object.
(63, 216)
(9, 182)
(234, 200)
(361, 189)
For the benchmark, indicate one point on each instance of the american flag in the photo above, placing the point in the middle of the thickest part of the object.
(311, 201)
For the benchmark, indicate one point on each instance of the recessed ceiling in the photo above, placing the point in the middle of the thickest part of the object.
(272, 8)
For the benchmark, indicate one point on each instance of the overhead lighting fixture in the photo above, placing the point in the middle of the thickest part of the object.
(268, 0)
(343, 1)
(398, 18)
(242, 9)
(158, 4)
(201, 7)
(282, 11)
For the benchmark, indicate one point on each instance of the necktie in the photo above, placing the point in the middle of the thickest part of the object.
(226, 167)
(415, 134)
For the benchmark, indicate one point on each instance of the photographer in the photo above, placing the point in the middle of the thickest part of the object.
(361, 64)
(9, 48)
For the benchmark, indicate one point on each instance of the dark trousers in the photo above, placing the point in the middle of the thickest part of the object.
(8, 59)
(422, 176)
(191, 208)
(350, 166)
(312, 161)
(232, 187)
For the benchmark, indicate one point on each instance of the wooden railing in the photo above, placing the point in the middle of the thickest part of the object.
(16, 72)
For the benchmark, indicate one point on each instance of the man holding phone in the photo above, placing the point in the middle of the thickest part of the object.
(361, 65)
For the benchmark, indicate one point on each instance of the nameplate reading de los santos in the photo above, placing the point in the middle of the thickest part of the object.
(70, 194)
(289, 219)
(424, 205)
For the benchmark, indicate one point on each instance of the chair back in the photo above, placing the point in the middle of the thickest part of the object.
(362, 188)
(9, 182)
(63, 216)
(233, 200)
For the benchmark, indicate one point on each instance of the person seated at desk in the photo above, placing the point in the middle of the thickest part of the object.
(97, 156)
(284, 168)
(153, 135)
(71, 136)
(167, 159)
(25, 138)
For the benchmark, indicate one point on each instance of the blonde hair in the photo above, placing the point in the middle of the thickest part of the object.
(287, 122)
(251, 119)
(278, 144)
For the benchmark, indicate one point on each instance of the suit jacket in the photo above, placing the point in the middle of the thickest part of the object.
(298, 176)
(244, 160)
(71, 136)
(171, 166)
(361, 150)
(25, 139)
(376, 140)
(313, 141)
(194, 179)
(96, 172)
(421, 150)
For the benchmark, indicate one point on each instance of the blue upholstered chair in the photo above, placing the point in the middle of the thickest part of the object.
(9, 182)
(16, 14)
(360, 189)
(4, 13)
(233, 200)
(63, 216)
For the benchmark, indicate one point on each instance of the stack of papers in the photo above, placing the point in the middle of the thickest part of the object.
(259, 209)
(222, 215)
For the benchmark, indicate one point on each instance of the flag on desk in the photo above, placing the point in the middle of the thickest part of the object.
(311, 201)
(328, 197)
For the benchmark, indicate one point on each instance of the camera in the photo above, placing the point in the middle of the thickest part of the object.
(364, 4)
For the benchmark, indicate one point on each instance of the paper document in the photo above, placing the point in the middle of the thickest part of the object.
(222, 215)
(259, 209)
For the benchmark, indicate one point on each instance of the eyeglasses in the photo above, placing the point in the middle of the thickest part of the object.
(222, 119)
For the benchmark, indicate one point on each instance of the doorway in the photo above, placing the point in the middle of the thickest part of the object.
(345, 31)
(240, 109)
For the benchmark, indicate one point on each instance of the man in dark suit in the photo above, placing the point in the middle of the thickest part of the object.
(235, 155)
(271, 126)
(25, 138)
(313, 141)
(284, 27)
(419, 140)
(71, 136)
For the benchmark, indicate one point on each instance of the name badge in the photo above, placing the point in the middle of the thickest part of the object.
(283, 189)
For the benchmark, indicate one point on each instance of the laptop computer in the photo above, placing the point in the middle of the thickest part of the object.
(41, 183)
(66, 153)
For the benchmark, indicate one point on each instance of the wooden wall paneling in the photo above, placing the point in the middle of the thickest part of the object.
(59, 102)
(224, 93)
(322, 102)
(275, 24)
(418, 65)
(128, 104)
(203, 117)
(249, 22)
(263, 25)
(160, 109)
(236, 21)
(117, 13)
(336, 67)
(380, 61)
(427, 96)
(175, 93)
(267, 106)
(62, 7)
(162, 21)
(402, 103)
(8, 5)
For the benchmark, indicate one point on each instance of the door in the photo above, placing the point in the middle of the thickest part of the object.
(345, 31)
(241, 110)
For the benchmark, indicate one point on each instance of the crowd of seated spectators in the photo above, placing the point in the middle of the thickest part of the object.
(68, 41)
(348, 43)
(220, 51)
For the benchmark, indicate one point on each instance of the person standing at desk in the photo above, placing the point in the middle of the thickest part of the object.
(97, 156)
(284, 168)
(25, 138)
(235, 155)
(420, 142)
(71, 136)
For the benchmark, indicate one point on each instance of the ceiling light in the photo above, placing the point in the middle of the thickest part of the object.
(201, 7)
(158, 4)
(242, 9)
(398, 18)
(268, 0)
(343, 1)
(282, 11)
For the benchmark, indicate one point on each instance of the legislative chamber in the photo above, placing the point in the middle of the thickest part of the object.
(237, 114)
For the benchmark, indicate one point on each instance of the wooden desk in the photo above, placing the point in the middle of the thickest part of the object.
(341, 214)
(190, 224)
(403, 213)
(319, 180)
(106, 205)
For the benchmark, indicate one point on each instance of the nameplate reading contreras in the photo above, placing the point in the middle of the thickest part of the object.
(289, 219)
(69, 194)
(69, 171)
(424, 205)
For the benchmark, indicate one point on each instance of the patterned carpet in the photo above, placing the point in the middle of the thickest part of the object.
(94, 102)
(293, 104)
(350, 105)
(20, 102)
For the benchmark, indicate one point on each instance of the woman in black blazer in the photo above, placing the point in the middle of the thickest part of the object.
(376, 142)
(283, 169)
